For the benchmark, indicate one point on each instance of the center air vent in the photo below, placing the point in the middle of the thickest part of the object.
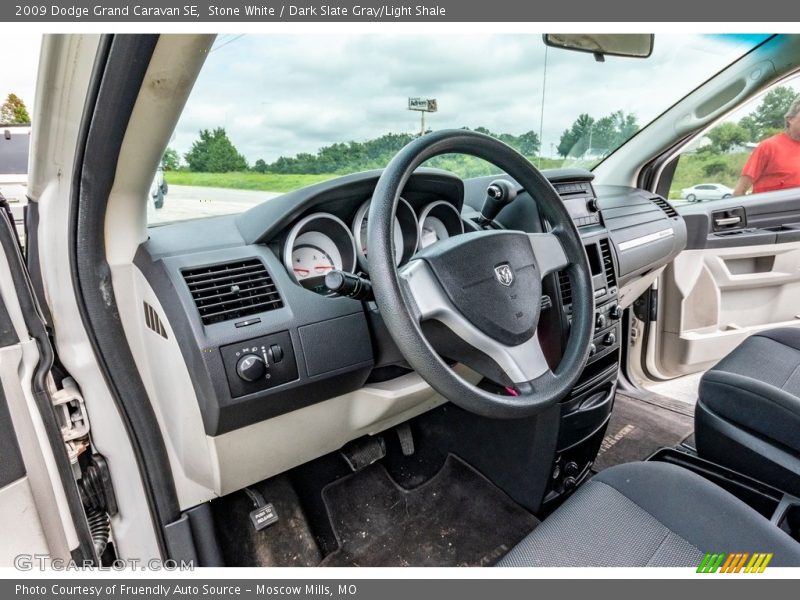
(565, 288)
(665, 206)
(608, 263)
(232, 290)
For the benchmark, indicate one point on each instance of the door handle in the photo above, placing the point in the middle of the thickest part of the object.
(727, 221)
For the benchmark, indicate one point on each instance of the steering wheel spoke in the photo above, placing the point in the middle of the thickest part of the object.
(549, 253)
(521, 363)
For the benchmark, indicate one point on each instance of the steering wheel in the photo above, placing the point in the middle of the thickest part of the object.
(484, 286)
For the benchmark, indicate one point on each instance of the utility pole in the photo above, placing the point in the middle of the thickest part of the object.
(423, 105)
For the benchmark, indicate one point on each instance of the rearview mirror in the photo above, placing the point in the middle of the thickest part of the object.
(634, 45)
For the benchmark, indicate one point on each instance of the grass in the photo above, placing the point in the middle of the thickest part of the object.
(692, 169)
(262, 182)
(274, 182)
(707, 168)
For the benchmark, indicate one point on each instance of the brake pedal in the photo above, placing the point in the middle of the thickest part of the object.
(364, 451)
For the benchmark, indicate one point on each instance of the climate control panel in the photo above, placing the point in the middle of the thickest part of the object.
(259, 363)
(607, 331)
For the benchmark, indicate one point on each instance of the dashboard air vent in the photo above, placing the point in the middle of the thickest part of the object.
(665, 206)
(232, 290)
(608, 263)
(565, 287)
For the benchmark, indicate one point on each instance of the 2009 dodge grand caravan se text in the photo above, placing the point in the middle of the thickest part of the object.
(439, 336)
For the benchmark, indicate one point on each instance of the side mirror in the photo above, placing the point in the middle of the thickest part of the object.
(634, 45)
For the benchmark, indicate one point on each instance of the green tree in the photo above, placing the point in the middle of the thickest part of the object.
(528, 143)
(612, 131)
(376, 153)
(171, 160)
(214, 152)
(717, 167)
(726, 136)
(260, 166)
(14, 112)
(575, 140)
(769, 114)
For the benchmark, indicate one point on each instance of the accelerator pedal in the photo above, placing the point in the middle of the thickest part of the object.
(406, 439)
(364, 451)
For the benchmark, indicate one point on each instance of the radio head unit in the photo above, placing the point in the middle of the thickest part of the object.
(580, 201)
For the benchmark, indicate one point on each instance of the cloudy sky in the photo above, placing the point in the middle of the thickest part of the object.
(280, 95)
(20, 61)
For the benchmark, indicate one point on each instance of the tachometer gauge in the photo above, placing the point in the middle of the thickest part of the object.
(405, 233)
(315, 246)
(309, 260)
(438, 221)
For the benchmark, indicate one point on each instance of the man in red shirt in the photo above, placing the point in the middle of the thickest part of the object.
(775, 163)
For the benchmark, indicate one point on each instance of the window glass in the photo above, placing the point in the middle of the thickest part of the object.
(272, 113)
(755, 149)
(17, 87)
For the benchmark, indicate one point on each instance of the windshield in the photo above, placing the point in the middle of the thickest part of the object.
(270, 114)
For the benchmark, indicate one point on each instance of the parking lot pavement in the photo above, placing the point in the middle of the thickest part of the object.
(190, 202)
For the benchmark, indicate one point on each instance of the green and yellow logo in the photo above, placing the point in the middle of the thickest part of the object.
(736, 562)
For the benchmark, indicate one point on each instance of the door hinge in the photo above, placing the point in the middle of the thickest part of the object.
(90, 468)
(72, 418)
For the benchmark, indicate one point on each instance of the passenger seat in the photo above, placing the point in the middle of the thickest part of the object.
(747, 416)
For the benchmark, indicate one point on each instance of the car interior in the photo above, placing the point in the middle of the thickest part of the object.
(466, 392)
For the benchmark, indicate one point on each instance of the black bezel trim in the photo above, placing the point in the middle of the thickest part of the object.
(119, 71)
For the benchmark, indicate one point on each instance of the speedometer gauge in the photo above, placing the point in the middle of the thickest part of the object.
(405, 233)
(398, 240)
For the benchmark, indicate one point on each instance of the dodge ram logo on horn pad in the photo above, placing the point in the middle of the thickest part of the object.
(504, 274)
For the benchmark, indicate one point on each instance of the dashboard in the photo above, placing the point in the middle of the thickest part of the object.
(263, 336)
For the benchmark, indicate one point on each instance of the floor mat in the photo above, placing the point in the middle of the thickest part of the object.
(457, 518)
(640, 426)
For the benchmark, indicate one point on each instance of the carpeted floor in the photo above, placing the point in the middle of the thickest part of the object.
(457, 518)
(287, 543)
(640, 426)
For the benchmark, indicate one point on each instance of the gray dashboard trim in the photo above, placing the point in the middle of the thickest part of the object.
(264, 221)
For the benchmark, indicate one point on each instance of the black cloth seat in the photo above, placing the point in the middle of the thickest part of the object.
(649, 514)
(747, 416)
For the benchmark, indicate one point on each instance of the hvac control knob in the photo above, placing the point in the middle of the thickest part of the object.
(251, 367)
(600, 321)
(615, 312)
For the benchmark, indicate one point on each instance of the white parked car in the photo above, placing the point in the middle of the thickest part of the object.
(159, 188)
(706, 191)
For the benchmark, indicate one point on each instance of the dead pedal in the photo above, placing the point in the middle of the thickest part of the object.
(364, 451)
